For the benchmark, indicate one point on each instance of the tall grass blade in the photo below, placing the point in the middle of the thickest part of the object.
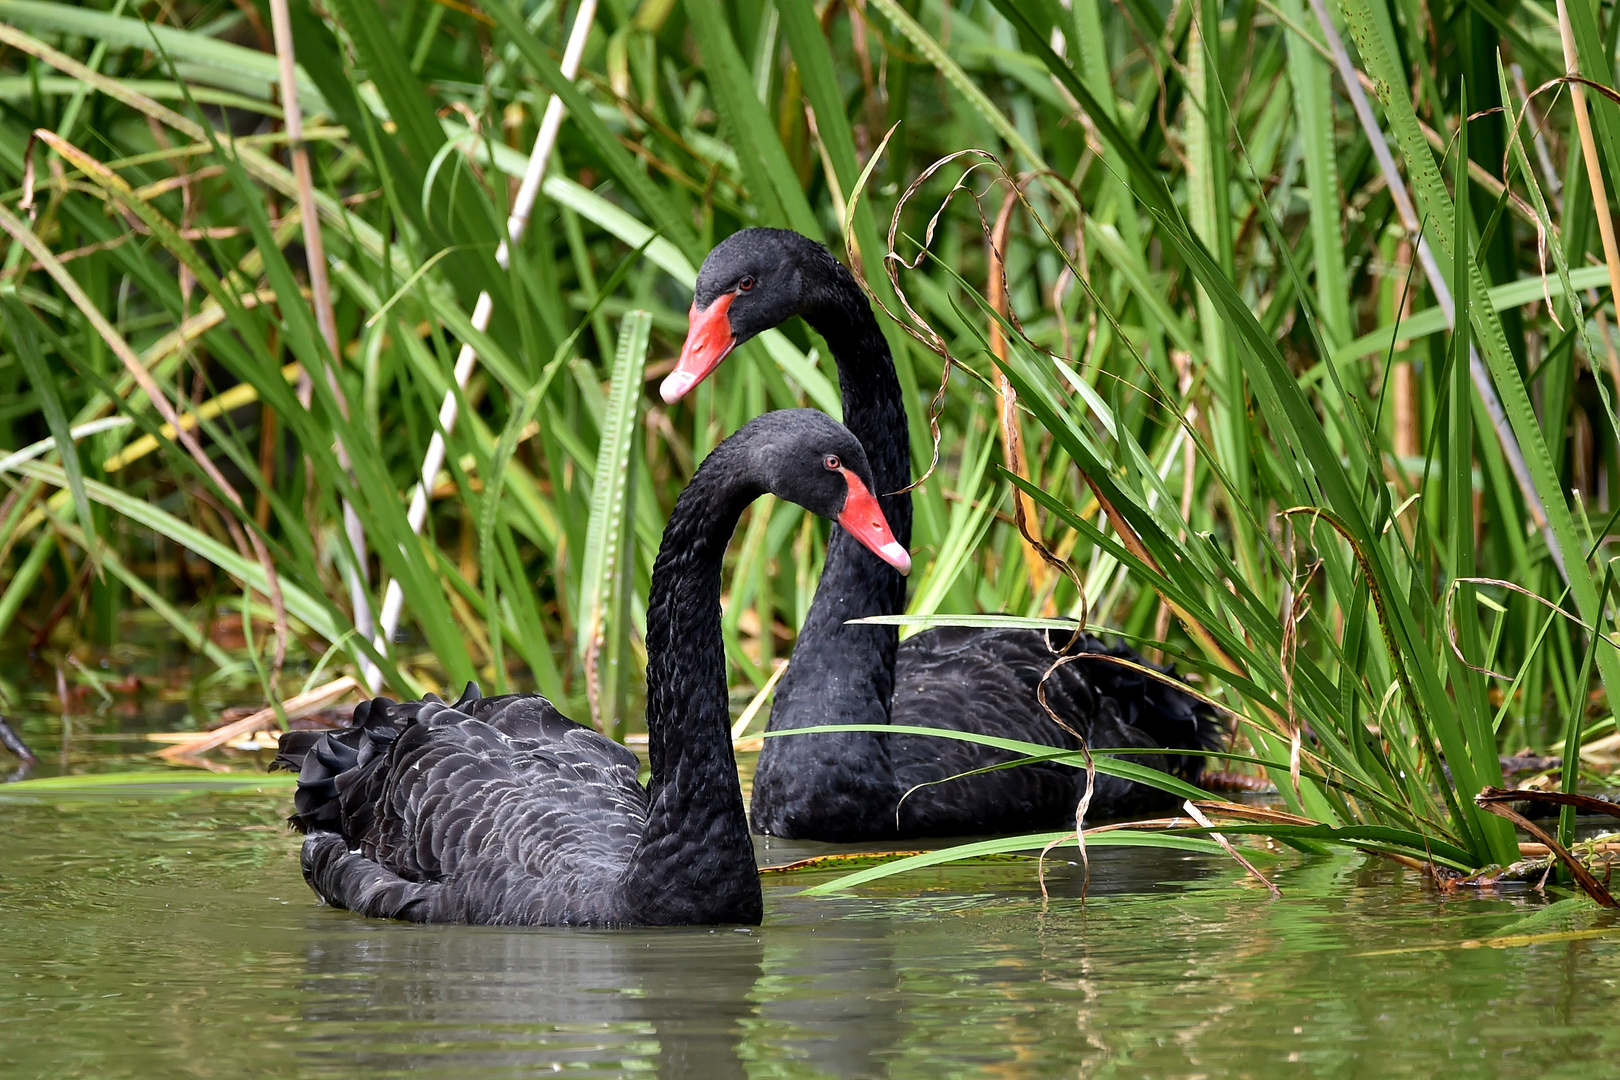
(19, 324)
(608, 538)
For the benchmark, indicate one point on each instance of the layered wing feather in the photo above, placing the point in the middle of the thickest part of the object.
(485, 810)
(987, 682)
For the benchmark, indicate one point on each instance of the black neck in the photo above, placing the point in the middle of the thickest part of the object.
(695, 851)
(854, 582)
(874, 407)
(843, 674)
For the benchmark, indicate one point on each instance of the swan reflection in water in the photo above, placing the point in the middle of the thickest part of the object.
(818, 988)
(827, 987)
(493, 1001)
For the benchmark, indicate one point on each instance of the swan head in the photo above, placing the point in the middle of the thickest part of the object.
(807, 457)
(751, 281)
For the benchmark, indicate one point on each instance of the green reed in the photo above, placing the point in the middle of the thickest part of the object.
(1212, 311)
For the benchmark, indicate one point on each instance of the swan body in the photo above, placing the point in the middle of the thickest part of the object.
(501, 810)
(494, 810)
(865, 786)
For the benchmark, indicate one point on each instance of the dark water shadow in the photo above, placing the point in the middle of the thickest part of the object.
(831, 997)
(487, 1001)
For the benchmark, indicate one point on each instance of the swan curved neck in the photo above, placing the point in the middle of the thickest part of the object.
(696, 849)
(874, 404)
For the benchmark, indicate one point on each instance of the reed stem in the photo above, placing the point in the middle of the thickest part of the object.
(545, 142)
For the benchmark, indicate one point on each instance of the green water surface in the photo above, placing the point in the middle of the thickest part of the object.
(164, 936)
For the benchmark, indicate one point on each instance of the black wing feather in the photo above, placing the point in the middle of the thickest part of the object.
(986, 682)
(482, 810)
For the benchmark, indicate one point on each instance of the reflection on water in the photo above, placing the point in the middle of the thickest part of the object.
(485, 1001)
(835, 1000)
(148, 938)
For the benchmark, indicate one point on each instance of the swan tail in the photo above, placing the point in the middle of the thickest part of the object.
(340, 773)
(328, 762)
(293, 747)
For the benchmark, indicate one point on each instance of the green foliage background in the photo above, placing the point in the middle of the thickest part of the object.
(1213, 313)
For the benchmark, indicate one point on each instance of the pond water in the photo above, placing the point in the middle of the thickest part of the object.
(164, 933)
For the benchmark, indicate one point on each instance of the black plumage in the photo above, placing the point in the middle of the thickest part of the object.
(849, 787)
(502, 810)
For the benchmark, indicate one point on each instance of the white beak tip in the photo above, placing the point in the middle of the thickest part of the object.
(896, 556)
(675, 386)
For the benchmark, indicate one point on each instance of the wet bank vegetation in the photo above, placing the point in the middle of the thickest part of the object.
(1276, 338)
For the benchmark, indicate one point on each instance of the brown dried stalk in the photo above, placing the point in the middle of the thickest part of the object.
(1011, 436)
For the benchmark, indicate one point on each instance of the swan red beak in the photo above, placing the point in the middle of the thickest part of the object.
(863, 519)
(708, 341)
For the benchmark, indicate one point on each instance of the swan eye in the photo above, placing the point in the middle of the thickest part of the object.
(745, 283)
(832, 463)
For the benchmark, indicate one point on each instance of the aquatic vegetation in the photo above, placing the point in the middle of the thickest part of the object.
(1204, 390)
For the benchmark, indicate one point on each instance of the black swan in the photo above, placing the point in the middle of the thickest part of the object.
(849, 787)
(502, 810)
